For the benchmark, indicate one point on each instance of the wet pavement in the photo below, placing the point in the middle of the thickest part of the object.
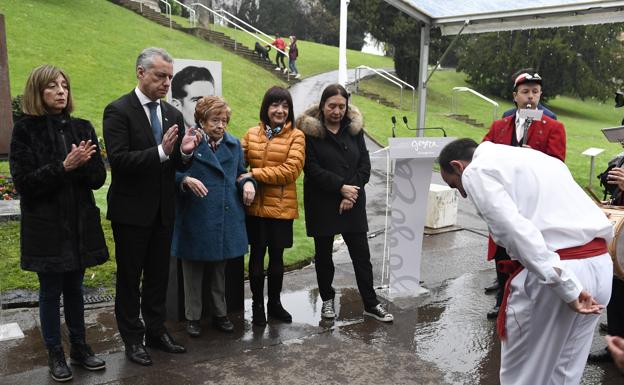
(439, 338)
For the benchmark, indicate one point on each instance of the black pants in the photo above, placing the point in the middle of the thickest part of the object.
(615, 309)
(51, 286)
(141, 252)
(357, 243)
(280, 59)
(500, 255)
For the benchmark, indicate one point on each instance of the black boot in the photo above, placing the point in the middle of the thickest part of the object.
(82, 354)
(256, 284)
(59, 371)
(274, 305)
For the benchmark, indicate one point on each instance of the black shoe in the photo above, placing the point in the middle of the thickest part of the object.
(223, 324)
(602, 355)
(82, 354)
(492, 314)
(379, 313)
(603, 327)
(277, 311)
(137, 354)
(492, 288)
(193, 329)
(258, 317)
(165, 343)
(59, 371)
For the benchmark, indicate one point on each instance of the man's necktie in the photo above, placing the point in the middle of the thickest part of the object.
(156, 126)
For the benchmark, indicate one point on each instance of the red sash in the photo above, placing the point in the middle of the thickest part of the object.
(597, 246)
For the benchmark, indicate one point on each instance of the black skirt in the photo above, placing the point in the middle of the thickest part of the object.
(269, 232)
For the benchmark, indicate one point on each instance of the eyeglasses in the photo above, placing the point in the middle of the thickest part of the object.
(216, 122)
(525, 77)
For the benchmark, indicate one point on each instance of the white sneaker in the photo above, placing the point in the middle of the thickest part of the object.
(298, 76)
(285, 70)
(327, 310)
(379, 313)
(278, 69)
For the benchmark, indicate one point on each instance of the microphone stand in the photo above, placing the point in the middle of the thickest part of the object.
(425, 128)
(393, 126)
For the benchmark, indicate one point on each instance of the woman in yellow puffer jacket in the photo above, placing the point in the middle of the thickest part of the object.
(275, 152)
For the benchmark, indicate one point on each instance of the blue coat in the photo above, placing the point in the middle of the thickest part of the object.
(212, 228)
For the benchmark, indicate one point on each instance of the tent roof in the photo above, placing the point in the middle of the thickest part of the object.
(504, 15)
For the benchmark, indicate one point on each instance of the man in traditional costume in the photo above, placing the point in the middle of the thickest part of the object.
(560, 268)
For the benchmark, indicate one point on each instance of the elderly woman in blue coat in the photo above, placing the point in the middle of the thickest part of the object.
(210, 218)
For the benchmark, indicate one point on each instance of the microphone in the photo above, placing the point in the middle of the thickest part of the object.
(393, 126)
(425, 128)
(527, 123)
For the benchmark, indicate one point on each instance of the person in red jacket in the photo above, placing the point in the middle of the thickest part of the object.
(279, 59)
(546, 135)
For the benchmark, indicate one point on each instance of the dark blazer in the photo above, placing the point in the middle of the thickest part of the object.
(212, 228)
(331, 161)
(142, 187)
(60, 229)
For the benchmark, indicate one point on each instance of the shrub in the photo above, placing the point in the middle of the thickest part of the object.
(7, 189)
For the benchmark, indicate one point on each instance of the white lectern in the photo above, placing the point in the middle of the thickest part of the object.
(414, 159)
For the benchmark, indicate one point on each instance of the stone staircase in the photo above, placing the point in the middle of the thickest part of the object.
(466, 119)
(214, 37)
(377, 98)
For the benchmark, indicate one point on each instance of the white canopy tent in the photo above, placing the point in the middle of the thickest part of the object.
(478, 16)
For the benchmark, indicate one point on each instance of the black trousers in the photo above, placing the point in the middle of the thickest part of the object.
(500, 255)
(142, 255)
(279, 60)
(357, 243)
(615, 309)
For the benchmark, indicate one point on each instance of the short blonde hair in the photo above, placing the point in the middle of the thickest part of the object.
(209, 105)
(32, 101)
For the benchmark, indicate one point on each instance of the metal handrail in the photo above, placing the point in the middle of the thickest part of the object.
(245, 23)
(192, 13)
(402, 82)
(168, 10)
(357, 80)
(466, 89)
(236, 25)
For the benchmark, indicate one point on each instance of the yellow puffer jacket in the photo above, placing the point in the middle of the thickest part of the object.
(275, 165)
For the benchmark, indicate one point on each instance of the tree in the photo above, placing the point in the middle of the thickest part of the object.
(582, 61)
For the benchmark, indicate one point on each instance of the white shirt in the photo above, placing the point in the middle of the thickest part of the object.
(533, 207)
(144, 100)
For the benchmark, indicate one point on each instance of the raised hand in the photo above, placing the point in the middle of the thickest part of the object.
(196, 186)
(79, 155)
(169, 139)
(191, 140)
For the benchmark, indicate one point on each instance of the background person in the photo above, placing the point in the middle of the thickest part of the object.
(144, 151)
(275, 153)
(55, 163)
(279, 56)
(561, 269)
(337, 168)
(188, 86)
(546, 135)
(293, 54)
(210, 217)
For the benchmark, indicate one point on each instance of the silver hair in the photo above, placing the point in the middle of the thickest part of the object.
(146, 57)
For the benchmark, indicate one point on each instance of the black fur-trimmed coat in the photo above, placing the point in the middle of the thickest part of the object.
(60, 223)
(332, 161)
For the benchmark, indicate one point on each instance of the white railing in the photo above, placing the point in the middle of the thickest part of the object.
(246, 24)
(404, 83)
(236, 25)
(388, 78)
(455, 102)
(168, 9)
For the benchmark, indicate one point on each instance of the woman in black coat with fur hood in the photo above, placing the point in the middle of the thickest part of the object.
(336, 169)
(55, 163)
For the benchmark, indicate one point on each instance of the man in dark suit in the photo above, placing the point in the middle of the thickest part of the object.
(145, 149)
